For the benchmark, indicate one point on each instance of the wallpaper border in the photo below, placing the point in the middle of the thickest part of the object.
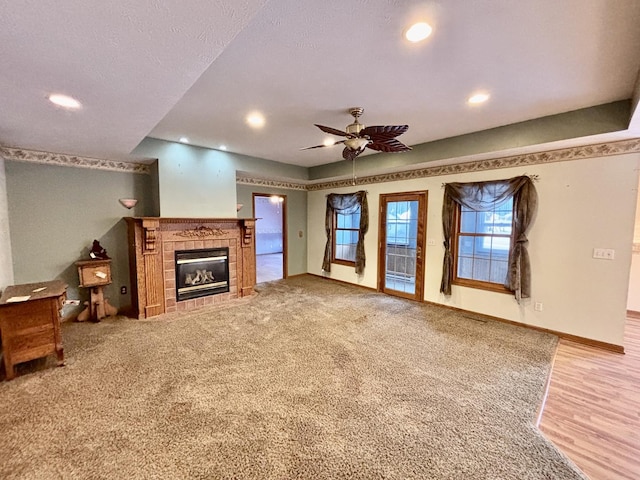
(244, 178)
(538, 158)
(63, 160)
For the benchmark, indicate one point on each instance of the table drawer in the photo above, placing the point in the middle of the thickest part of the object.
(92, 275)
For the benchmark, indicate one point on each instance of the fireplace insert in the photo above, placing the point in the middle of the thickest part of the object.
(201, 272)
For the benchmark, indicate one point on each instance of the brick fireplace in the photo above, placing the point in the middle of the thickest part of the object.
(153, 243)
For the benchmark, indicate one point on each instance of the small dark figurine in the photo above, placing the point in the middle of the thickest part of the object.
(97, 252)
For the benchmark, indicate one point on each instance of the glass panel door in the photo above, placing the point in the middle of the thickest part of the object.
(402, 241)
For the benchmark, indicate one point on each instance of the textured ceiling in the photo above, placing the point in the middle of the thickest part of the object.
(168, 69)
(128, 63)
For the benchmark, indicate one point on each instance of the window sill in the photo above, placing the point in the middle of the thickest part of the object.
(491, 287)
(346, 263)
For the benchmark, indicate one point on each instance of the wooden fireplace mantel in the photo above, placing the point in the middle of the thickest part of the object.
(153, 242)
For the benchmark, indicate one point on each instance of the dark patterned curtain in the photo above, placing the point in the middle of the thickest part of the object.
(483, 196)
(347, 204)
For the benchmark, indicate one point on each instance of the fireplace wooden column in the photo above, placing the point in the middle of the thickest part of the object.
(248, 258)
(153, 242)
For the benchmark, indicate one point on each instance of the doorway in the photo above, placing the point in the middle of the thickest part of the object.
(270, 212)
(402, 243)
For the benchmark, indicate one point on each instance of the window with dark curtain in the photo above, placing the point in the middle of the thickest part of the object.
(346, 230)
(344, 206)
(491, 196)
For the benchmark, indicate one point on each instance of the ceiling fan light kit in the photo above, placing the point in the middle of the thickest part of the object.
(356, 143)
(381, 138)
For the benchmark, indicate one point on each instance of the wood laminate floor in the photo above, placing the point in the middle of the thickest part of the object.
(592, 411)
(268, 267)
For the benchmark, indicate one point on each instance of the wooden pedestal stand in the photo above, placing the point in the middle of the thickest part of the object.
(95, 274)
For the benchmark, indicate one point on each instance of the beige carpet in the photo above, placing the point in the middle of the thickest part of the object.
(310, 380)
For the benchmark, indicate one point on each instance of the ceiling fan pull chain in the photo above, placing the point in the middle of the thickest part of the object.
(354, 171)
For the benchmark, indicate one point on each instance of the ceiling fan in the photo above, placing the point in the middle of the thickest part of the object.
(358, 137)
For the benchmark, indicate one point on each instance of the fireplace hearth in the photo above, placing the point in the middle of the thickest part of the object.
(201, 272)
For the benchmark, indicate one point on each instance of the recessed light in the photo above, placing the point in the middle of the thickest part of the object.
(223, 147)
(478, 98)
(64, 101)
(328, 142)
(184, 140)
(418, 32)
(255, 120)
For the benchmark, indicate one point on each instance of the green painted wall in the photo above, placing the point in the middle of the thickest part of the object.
(56, 212)
(6, 266)
(200, 182)
(296, 221)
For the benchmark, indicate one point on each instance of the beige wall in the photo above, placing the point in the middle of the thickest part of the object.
(582, 205)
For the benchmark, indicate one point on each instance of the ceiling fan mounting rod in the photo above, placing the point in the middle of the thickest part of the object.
(355, 127)
(356, 112)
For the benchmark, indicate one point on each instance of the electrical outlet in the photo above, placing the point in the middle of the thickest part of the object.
(123, 290)
(537, 306)
(431, 242)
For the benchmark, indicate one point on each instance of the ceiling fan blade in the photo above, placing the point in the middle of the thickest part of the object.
(384, 131)
(333, 131)
(349, 154)
(315, 146)
(323, 145)
(389, 146)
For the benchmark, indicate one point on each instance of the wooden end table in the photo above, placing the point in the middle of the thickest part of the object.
(30, 322)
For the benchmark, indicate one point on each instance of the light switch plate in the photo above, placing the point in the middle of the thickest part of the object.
(604, 253)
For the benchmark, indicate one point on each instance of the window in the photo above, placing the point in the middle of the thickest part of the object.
(482, 240)
(346, 230)
(346, 223)
(481, 222)
(400, 225)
